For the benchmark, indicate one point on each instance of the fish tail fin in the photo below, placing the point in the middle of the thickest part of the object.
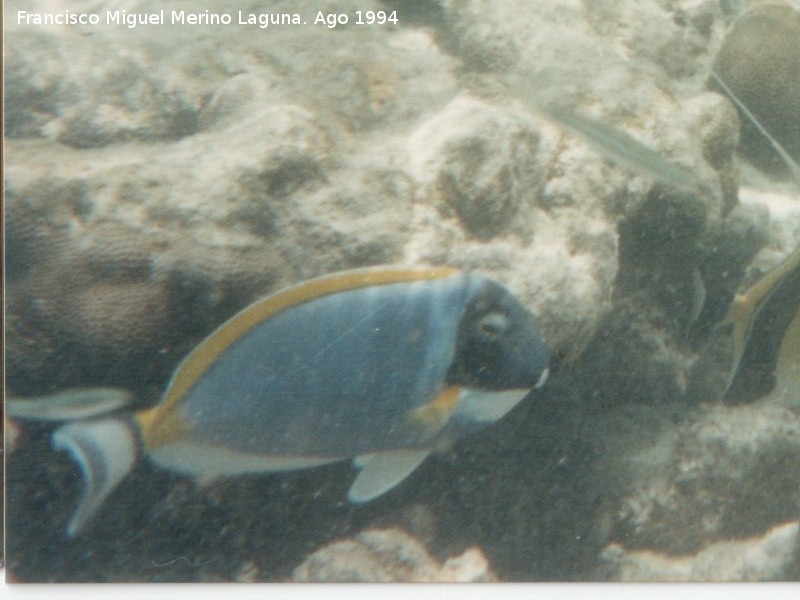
(105, 450)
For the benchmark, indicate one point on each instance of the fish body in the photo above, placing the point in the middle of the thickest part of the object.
(619, 147)
(379, 365)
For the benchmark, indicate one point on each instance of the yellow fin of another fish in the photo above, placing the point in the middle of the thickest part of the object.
(787, 372)
(746, 305)
(765, 332)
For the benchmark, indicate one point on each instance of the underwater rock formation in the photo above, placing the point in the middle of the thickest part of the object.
(723, 473)
(389, 556)
(763, 558)
(85, 92)
(304, 189)
(139, 217)
(760, 61)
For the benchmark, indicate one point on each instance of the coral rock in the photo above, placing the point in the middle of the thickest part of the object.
(388, 556)
(760, 61)
(724, 473)
(763, 558)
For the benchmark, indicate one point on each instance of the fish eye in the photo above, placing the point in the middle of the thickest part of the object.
(493, 324)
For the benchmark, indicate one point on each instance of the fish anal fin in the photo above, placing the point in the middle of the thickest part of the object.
(105, 450)
(207, 461)
(384, 471)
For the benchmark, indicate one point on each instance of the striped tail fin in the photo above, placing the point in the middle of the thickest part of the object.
(105, 450)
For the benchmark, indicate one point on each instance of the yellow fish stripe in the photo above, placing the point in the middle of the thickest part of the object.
(745, 306)
(431, 417)
(159, 428)
(209, 350)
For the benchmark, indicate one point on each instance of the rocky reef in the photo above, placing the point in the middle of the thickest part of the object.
(759, 559)
(158, 179)
(760, 61)
(389, 556)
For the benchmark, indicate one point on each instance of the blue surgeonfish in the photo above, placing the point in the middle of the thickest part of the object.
(380, 365)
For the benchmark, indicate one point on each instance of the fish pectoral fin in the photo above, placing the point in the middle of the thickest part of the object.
(383, 471)
(431, 417)
(360, 461)
(105, 450)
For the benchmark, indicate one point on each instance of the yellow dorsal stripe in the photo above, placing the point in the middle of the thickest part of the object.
(159, 428)
(209, 350)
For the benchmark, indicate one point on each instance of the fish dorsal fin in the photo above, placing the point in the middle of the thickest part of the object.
(105, 451)
(383, 471)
